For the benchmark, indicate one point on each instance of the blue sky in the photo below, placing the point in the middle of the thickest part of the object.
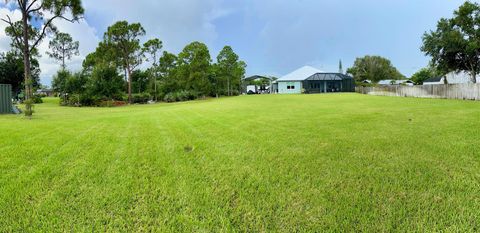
(274, 37)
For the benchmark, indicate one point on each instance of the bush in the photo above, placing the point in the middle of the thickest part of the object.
(180, 96)
(73, 100)
(141, 98)
(37, 99)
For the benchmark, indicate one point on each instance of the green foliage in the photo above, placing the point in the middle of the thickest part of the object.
(374, 68)
(37, 99)
(106, 83)
(193, 69)
(63, 48)
(423, 74)
(11, 71)
(59, 82)
(455, 46)
(124, 40)
(180, 96)
(141, 98)
(229, 72)
(140, 81)
(37, 27)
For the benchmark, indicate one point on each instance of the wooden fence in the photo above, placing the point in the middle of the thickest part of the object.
(447, 91)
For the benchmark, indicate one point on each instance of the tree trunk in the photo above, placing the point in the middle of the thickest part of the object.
(473, 76)
(129, 85)
(26, 66)
(228, 85)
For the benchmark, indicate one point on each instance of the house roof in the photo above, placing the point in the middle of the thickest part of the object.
(433, 80)
(395, 82)
(300, 74)
(256, 77)
(328, 77)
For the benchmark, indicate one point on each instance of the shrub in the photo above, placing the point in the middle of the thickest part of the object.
(73, 100)
(180, 96)
(37, 99)
(141, 98)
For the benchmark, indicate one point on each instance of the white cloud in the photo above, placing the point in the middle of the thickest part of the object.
(80, 31)
(176, 23)
(5, 41)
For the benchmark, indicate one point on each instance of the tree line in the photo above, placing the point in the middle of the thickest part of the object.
(111, 73)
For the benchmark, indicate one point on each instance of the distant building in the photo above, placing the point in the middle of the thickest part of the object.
(46, 92)
(311, 80)
(396, 82)
(451, 78)
(257, 84)
(434, 81)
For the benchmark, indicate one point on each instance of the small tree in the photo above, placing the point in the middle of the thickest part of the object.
(455, 46)
(34, 12)
(152, 48)
(63, 48)
(123, 38)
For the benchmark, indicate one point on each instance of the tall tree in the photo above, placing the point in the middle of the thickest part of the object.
(374, 68)
(123, 38)
(194, 66)
(152, 48)
(167, 70)
(227, 68)
(34, 12)
(455, 46)
(63, 48)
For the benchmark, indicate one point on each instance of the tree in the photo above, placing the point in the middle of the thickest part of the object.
(123, 39)
(194, 66)
(63, 48)
(227, 70)
(168, 72)
(455, 46)
(152, 48)
(140, 81)
(12, 72)
(423, 74)
(33, 12)
(105, 83)
(374, 68)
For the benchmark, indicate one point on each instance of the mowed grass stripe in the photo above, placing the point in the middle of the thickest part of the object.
(259, 163)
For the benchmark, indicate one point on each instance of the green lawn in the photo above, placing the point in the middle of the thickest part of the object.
(339, 162)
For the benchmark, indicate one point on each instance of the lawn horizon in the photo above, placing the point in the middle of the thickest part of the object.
(328, 162)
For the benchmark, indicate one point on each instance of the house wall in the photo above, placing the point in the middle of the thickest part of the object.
(282, 87)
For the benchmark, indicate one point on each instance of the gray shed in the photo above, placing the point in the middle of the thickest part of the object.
(5, 98)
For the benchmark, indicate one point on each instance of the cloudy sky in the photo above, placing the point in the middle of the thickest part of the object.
(274, 37)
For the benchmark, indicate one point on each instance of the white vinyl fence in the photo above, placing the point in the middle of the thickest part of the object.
(447, 91)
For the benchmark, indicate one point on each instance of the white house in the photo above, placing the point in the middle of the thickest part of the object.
(452, 78)
(396, 82)
(434, 81)
(292, 83)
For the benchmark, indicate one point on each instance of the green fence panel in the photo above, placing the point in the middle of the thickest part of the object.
(5, 98)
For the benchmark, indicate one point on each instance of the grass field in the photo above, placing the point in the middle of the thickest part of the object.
(286, 163)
